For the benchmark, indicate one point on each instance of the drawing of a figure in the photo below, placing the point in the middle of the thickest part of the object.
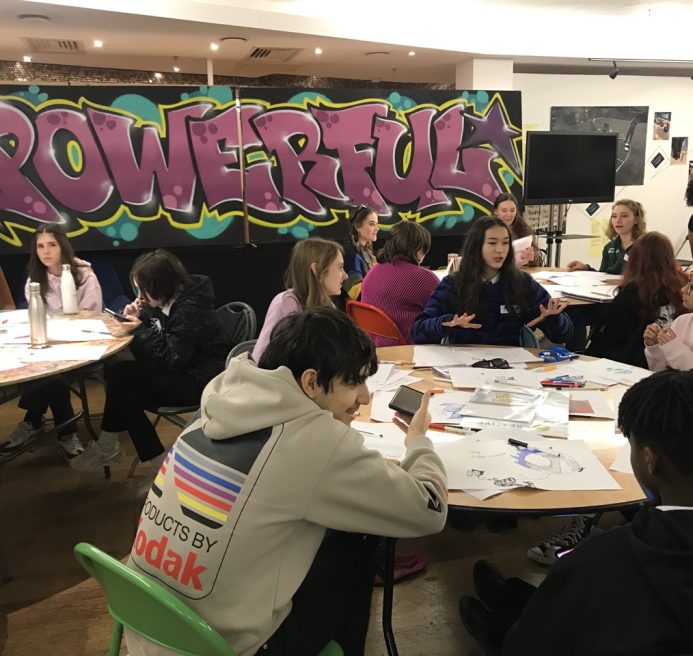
(546, 461)
(508, 481)
(451, 410)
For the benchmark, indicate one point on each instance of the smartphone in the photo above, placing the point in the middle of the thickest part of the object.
(116, 315)
(407, 400)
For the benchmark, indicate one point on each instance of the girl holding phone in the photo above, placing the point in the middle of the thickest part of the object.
(315, 273)
(50, 249)
(488, 300)
(178, 344)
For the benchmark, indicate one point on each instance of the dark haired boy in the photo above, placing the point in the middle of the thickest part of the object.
(629, 590)
(260, 516)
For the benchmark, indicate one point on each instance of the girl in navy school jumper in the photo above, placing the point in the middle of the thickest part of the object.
(488, 300)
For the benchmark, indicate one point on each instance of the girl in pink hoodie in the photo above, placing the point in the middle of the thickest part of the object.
(672, 347)
(50, 249)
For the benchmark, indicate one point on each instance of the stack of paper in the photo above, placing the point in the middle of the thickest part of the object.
(388, 378)
(469, 377)
(605, 372)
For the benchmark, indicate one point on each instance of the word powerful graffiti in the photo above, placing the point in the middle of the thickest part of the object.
(82, 163)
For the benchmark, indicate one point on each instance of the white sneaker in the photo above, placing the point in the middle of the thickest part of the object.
(69, 446)
(19, 437)
(94, 458)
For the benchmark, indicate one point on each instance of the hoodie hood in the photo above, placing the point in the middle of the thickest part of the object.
(273, 395)
(662, 542)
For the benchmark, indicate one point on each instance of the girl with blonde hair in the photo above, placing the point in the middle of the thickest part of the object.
(315, 273)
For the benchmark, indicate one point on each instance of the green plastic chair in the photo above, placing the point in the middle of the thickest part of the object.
(146, 608)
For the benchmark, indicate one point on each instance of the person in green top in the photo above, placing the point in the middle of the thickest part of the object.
(626, 225)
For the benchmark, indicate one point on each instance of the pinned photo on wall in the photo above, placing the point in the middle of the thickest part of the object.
(690, 171)
(661, 126)
(679, 150)
(592, 209)
(658, 160)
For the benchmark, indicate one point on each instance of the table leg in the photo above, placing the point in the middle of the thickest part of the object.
(388, 589)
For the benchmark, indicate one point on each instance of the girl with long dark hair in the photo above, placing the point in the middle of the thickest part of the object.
(358, 250)
(49, 250)
(488, 300)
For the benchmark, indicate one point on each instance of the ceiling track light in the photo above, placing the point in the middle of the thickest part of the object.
(614, 74)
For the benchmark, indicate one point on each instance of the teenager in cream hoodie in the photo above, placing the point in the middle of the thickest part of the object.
(267, 472)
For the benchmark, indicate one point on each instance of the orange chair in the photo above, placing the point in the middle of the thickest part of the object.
(373, 320)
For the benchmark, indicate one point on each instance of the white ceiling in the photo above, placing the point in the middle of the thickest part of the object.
(541, 36)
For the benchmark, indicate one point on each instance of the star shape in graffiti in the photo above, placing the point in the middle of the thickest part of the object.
(493, 129)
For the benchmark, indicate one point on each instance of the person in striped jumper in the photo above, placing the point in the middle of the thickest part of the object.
(488, 300)
(398, 285)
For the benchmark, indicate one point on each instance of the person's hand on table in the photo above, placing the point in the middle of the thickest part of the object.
(576, 265)
(133, 309)
(464, 321)
(554, 307)
(665, 336)
(651, 334)
(417, 425)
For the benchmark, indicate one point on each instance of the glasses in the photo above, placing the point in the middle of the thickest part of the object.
(494, 363)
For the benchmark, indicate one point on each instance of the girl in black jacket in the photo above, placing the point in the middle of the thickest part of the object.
(179, 346)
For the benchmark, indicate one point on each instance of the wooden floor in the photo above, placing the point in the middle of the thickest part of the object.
(51, 607)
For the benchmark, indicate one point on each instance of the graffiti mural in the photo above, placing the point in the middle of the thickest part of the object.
(141, 167)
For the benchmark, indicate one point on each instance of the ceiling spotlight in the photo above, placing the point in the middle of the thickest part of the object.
(411, 53)
(214, 46)
(98, 43)
(27, 59)
(158, 76)
(614, 74)
(176, 69)
(318, 51)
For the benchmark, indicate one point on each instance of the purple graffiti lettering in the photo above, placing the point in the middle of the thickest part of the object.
(301, 184)
(348, 131)
(447, 174)
(414, 187)
(17, 193)
(174, 174)
(85, 190)
(215, 144)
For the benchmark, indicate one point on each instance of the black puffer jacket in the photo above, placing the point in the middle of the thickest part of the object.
(190, 339)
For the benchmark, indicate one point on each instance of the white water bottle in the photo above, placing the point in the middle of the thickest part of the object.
(37, 317)
(68, 291)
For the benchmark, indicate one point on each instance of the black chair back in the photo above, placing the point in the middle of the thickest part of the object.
(238, 321)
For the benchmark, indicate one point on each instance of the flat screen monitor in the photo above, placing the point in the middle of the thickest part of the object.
(570, 167)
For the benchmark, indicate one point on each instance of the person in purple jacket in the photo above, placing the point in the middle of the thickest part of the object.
(315, 274)
(488, 300)
(398, 285)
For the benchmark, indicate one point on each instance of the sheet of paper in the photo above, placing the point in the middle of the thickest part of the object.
(599, 294)
(77, 330)
(9, 359)
(581, 368)
(622, 461)
(386, 438)
(625, 374)
(60, 352)
(379, 407)
(10, 317)
(472, 377)
(590, 403)
(495, 464)
(435, 355)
